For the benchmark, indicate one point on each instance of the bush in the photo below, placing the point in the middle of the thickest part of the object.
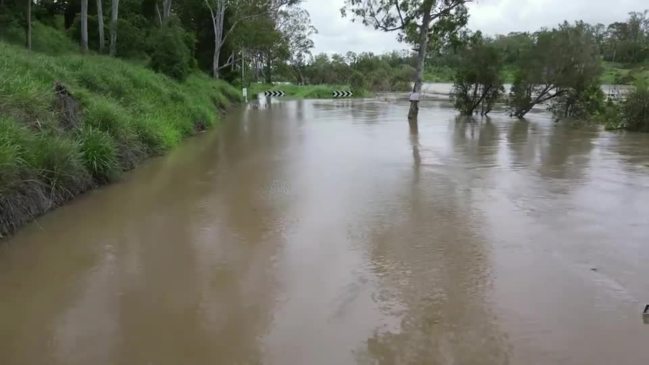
(358, 82)
(99, 154)
(635, 109)
(131, 39)
(611, 117)
(478, 81)
(579, 103)
(170, 54)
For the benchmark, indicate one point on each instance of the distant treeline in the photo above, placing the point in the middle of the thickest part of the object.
(625, 43)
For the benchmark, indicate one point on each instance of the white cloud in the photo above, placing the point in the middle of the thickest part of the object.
(339, 35)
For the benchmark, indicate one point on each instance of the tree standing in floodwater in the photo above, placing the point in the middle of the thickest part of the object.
(420, 22)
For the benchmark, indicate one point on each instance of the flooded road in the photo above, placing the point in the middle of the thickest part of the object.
(329, 232)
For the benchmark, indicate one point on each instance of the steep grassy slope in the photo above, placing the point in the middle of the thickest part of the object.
(102, 117)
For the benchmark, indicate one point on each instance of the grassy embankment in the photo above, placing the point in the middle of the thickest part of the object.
(53, 148)
(305, 91)
(617, 73)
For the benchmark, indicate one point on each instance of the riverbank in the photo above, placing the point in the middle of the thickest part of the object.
(71, 122)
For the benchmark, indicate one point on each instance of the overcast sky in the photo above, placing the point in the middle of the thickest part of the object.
(339, 35)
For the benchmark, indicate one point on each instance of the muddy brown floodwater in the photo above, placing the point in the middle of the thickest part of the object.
(329, 232)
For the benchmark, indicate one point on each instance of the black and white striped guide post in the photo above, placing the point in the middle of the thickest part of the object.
(274, 93)
(342, 94)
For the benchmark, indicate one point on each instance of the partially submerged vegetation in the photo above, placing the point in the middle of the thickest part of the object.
(632, 113)
(560, 68)
(105, 116)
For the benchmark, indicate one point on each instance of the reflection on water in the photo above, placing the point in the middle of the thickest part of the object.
(332, 232)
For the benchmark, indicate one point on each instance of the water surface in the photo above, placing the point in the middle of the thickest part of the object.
(330, 232)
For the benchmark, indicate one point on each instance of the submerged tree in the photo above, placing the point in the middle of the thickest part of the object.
(562, 66)
(478, 81)
(418, 22)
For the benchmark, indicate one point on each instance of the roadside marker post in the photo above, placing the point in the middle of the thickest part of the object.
(275, 93)
(341, 94)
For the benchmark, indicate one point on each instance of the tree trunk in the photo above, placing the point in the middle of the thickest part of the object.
(215, 59)
(269, 64)
(114, 8)
(100, 22)
(421, 57)
(84, 25)
(217, 14)
(28, 34)
(166, 10)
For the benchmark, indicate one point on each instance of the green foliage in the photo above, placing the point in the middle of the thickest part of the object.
(132, 40)
(478, 83)
(627, 41)
(358, 81)
(99, 154)
(170, 54)
(636, 108)
(611, 117)
(43, 38)
(436, 73)
(563, 66)
(579, 103)
(365, 71)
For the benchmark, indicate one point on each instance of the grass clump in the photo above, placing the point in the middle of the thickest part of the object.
(57, 161)
(99, 154)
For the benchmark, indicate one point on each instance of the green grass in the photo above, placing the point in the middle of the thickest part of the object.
(617, 73)
(439, 74)
(44, 39)
(126, 112)
(305, 91)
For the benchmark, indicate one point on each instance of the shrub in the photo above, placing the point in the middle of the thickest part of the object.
(478, 81)
(99, 154)
(131, 39)
(579, 103)
(358, 81)
(611, 116)
(170, 54)
(636, 108)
